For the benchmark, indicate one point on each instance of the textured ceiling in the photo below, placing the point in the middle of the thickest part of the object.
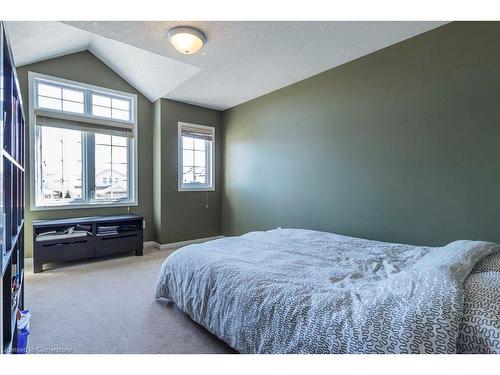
(241, 60)
(152, 74)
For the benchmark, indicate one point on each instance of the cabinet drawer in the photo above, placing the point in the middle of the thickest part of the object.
(122, 243)
(64, 250)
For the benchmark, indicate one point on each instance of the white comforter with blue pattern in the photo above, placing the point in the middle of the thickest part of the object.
(303, 291)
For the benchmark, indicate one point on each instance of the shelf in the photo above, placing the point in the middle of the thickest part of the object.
(94, 245)
(17, 293)
(12, 160)
(118, 234)
(16, 298)
(13, 312)
(15, 237)
(6, 259)
(13, 320)
(85, 220)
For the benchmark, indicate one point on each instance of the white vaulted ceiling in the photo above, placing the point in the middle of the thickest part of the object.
(240, 61)
(152, 74)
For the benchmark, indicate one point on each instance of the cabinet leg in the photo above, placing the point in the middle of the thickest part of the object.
(139, 252)
(37, 268)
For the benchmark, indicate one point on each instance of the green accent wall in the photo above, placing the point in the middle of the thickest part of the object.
(183, 215)
(401, 145)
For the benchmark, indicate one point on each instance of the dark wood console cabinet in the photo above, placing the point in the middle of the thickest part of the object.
(95, 236)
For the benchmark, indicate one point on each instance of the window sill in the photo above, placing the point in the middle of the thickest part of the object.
(95, 205)
(182, 190)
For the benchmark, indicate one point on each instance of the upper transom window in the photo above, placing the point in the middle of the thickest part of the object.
(110, 107)
(61, 97)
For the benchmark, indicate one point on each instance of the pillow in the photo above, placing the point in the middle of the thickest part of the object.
(489, 264)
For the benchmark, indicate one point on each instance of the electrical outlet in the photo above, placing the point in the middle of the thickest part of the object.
(144, 224)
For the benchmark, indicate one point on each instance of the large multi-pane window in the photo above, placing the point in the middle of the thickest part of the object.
(84, 144)
(196, 157)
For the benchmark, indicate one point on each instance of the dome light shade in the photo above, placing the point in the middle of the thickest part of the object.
(186, 39)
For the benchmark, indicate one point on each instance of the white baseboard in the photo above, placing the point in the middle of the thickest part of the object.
(150, 245)
(174, 245)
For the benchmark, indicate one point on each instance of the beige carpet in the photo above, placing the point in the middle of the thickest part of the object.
(107, 306)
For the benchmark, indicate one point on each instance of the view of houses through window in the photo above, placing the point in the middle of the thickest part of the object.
(110, 167)
(61, 167)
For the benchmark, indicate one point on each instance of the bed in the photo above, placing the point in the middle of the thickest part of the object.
(304, 291)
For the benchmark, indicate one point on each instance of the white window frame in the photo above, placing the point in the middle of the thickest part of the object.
(210, 163)
(88, 201)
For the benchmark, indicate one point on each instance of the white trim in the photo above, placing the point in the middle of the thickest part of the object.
(210, 166)
(94, 204)
(133, 186)
(150, 245)
(82, 118)
(174, 245)
(85, 86)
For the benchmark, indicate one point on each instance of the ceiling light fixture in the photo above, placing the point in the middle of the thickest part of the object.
(186, 40)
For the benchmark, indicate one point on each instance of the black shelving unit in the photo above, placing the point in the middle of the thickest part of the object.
(12, 129)
(97, 236)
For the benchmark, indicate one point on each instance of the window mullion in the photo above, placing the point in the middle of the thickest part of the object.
(207, 166)
(194, 164)
(84, 162)
(89, 151)
(90, 166)
(87, 105)
(38, 155)
(131, 169)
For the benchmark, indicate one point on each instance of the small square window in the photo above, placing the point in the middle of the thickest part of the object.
(72, 106)
(73, 95)
(50, 103)
(101, 111)
(196, 157)
(119, 114)
(49, 91)
(59, 98)
(111, 107)
(103, 101)
(120, 104)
